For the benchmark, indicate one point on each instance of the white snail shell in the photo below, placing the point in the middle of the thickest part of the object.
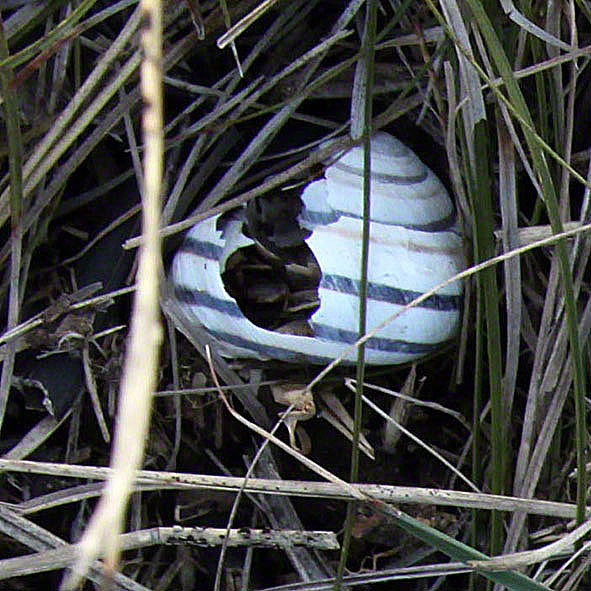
(414, 245)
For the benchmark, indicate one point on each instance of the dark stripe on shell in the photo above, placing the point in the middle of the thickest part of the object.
(268, 350)
(189, 296)
(392, 295)
(207, 250)
(441, 225)
(382, 177)
(295, 356)
(340, 335)
(339, 283)
(194, 297)
(321, 218)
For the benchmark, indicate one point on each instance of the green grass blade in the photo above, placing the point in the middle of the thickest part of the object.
(367, 57)
(489, 294)
(459, 551)
(549, 195)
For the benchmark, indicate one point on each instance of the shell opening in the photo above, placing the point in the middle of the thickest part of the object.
(274, 280)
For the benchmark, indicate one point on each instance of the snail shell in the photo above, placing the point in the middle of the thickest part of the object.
(264, 293)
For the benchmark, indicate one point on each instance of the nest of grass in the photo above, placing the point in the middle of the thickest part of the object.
(495, 462)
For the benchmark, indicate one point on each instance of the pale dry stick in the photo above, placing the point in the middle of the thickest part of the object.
(247, 98)
(81, 123)
(546, 347)
(462, 205)
(351, 382)
(268, 438)
(567, 566)
(175, 53)
(308, 463)
(237, 29)
(130, 213)
(31, 535)
(275, 181)
(265, 135)
(470, 87)
(39, 319)
(512, 268)
(62, 122)
(421, 443)
(132, 143)
(463, 274)
(176, 401)
(305, 489)
(530, 234)
(139, 375)
(62, 556)
(35, 437)
(501, 99)
(93, 392)
(521, 559)
(563, 369)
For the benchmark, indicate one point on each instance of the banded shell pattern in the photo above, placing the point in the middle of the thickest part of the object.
(414, 245)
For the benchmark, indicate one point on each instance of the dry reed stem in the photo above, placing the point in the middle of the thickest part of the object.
(300, 488)
(141, 363)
